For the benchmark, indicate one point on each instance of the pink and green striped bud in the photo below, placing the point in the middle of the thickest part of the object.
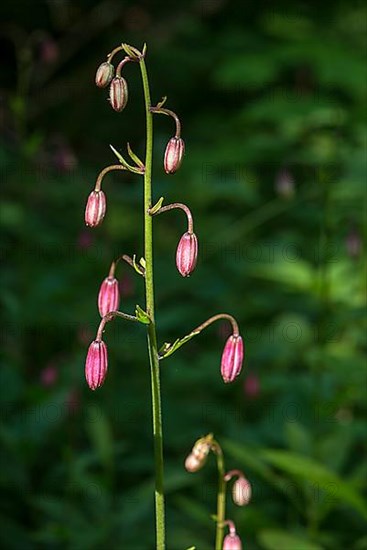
(232, 542)
(197, 458)
(241, 491)
(118, 93)
(95, 209)
(108, 296)
(96, 364)
(193, 463)
(173, 155)
(232, 358)
(187, 253)
(104, 74)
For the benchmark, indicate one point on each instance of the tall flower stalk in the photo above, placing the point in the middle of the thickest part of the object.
(151, 329)
(186, 257)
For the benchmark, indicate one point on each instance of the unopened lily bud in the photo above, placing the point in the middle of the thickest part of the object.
(232, 358)
(173, 155)
(193, 463)
(96, 364)
(241, 491)
(118, 93)
(95, 209)
(201, 448)
(104, 74)
(232, 542)
(186, 254)
(109, 296)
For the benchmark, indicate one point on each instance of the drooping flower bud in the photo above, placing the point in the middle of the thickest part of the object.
(104, 74)
(118, 93)
(232, 542)
(173, 155)
(95, 209)
(193, 463)
(197, 458)
(96, 364)
(241, 491)
(202, 447)
(232, 358)
(109, 296)
(186, 254)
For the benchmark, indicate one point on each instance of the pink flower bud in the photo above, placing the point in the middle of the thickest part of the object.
(232, 358)
(241, 491)
(187, 253)
(252, 386)
(104, 74)
(96, 364)
(173, 155)
(202, 448)
(109, 296)
(232, 542)
(95, 209)
(193, 463)
(118, 93)
(49, 375)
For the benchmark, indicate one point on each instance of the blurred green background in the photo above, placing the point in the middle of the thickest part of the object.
(271, 102)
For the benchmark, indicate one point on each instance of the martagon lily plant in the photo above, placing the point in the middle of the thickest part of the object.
(186, 257)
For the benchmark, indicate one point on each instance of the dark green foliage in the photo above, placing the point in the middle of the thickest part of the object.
(267, 94)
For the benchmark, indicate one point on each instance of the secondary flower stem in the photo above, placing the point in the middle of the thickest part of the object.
(129, 261)
(211, 320)
(151, 328)
(186, 209)
(167, 112)
(113, 53)
(111, 315)
(105, 171)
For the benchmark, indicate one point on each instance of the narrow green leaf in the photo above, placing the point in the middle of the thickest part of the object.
(162, 102)
(138, 269)
(142, 315)
(171, 348)
(134, 157)
(156, 207)
(124, 162)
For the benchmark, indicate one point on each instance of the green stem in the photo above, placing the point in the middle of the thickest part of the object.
(221, 500)
(151, 330)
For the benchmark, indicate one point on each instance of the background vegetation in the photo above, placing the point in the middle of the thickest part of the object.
(271, 100)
